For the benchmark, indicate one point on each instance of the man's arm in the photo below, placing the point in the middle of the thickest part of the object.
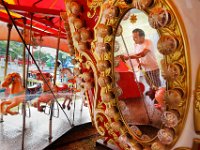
(142, 53)
(138, 55)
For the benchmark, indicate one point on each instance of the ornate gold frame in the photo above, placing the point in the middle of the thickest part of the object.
(197, 103)
(107, 117)
(196, 144)
(73, 46)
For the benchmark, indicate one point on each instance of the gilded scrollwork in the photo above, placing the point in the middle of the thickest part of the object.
(164, 17)
(197, 97)
(93, 5)
(195, 146)
(167, 45)
(197, 104)
(159, 17)
(142, 4)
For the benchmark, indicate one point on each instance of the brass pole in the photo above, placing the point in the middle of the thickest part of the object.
(54, 83)
(7, 48)
(7, 53)
(30, 41)
(25, 85)
(57, 51)
(23, 41)
(141, 94)
(24, 56)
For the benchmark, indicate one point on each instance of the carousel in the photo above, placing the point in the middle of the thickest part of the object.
(39, 103)
(138, 96)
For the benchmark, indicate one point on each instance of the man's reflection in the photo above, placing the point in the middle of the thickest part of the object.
(143, 53)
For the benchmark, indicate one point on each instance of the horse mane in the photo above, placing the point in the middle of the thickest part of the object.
(63, 70)
(15, 74)
(12, 75)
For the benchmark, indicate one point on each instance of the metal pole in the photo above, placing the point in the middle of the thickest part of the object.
(7, 54)
(74, 101)
(74, 106)
(25, 85)
(30, 41)
(57, 51)
(141, 94)
(54, 83)
(23, 41)
(24, 56)
(7, 48)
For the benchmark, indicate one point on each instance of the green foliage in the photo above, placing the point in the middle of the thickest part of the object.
(41, 56)
(15, 49)
(62, 56)
(3, 47)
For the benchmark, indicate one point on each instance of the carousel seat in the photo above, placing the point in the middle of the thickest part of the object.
(62, 87)
(34, 89)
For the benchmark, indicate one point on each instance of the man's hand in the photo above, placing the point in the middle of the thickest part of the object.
(139, 64)
(123, 58)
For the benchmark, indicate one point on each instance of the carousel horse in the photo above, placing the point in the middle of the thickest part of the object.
(16, 93)
(71, 90)
(69, 75)
(47, 96)
(65, 71)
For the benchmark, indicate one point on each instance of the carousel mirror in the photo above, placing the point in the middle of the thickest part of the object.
(141, 50)
(137, 61)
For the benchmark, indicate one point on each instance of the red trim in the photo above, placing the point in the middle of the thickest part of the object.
(44, 21)
(19, 22)
(32, 9)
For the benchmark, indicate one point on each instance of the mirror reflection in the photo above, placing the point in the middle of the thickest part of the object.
(137, 62)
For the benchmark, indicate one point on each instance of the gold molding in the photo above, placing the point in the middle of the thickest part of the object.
(108, 110)
(197, 103)
(90, 62)
(93, 7)
(196, 144)
(182, 148)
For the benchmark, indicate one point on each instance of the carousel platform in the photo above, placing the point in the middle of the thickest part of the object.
(36, 134)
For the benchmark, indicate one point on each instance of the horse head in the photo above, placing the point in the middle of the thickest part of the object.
(11, 78)
(66, 71)
(46, 75)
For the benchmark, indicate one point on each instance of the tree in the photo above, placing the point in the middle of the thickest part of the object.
(3, 48)
(41, 56)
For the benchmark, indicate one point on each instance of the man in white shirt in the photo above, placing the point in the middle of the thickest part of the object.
(145, 56)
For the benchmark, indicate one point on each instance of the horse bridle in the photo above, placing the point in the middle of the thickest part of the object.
(13, 78)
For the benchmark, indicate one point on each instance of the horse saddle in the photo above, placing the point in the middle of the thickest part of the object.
(33, 91)
(72, 80)
(62, 87)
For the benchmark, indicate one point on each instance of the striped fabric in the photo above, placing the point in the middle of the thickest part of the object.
(153, 78)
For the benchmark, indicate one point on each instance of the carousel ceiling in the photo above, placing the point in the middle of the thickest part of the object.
(45, 16)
